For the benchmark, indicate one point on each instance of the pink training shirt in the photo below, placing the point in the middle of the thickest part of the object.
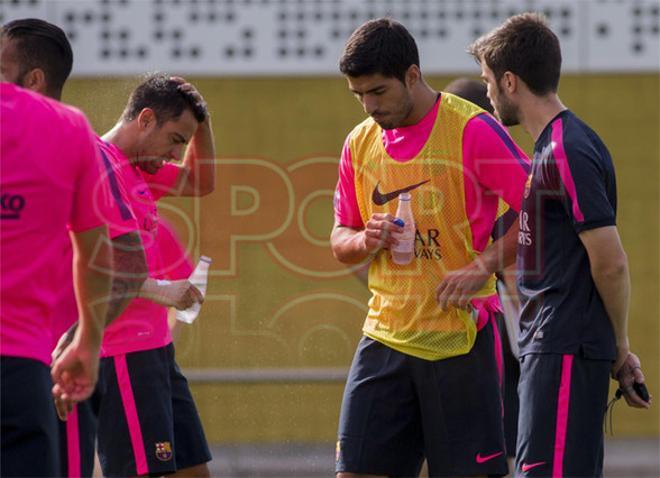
(143, 325)
(50, 170)
(175, 261)
(493, 167)
(120, 220)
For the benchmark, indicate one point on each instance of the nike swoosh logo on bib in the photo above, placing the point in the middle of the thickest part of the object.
(383, 198)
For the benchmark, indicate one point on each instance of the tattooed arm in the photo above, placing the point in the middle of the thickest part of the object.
(128, 274)
(129, 271)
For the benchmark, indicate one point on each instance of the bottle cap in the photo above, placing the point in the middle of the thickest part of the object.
(404, 197)
(206, 259)
(399, 222)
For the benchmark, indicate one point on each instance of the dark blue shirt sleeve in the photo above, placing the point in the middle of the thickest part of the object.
(588, 185)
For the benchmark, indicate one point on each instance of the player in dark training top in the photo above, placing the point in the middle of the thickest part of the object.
(572, 270)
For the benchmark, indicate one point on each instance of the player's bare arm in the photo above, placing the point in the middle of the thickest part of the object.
(197, 175)
(459, 286)
(180, 294)
(609, 269)
(128, 273)
(76, 370)
(352, 246)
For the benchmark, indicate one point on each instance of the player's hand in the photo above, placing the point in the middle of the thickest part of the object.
(459, 286)
(63, 408)
(628, 373)
(180, 294)
(377, 233)
(63, 342)
(75, 372)
(190, 89)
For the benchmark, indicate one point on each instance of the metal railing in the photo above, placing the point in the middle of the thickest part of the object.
(266, 375)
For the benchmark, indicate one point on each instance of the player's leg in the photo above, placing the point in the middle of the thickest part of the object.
(562, 405)
(584, 449)
(379, 426)
(191, 451)
(136, 433)
(29, 424)
(461, 407)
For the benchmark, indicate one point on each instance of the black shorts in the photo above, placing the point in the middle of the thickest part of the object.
(510, 391)
(398, 409)
(78, 439)
(563, 400)
(148, 422)
(29, 423)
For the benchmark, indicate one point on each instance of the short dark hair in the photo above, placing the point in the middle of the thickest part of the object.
(40, 44)
(161, 93)
(525, 46)
(474, 91)
(381, 46)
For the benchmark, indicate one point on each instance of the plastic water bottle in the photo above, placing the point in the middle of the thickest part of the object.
(404, 252)
(199, 278)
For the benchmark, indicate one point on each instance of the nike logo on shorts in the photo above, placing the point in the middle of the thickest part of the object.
(382, 198)
(483, 459)
(525, 467)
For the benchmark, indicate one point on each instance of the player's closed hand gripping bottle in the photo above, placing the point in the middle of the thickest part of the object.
(199, 278)
(404, 252)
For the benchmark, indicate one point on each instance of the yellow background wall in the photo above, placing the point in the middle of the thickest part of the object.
(278, 299)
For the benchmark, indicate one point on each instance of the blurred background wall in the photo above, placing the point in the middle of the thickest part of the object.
(282, 318)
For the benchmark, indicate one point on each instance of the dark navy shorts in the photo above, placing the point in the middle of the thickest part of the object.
(563, 400)
(398, 409)
(78, 438)
(148, 422)
(510, 391)
(29, 423)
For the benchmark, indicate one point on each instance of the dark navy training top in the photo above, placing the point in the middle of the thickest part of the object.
(571, 189)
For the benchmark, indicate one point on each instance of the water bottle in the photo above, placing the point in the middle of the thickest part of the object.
(199, 279)
(404, 252)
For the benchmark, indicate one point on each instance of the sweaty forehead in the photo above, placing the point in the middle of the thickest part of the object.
(364, 83)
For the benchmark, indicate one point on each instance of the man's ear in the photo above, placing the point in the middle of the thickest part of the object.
(413, 74)
(35, 80)
(146, 118)
(509, 82)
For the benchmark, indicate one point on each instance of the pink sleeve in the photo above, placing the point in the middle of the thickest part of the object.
(499, 165)
(89, 209)
(120, 216)
(163, 181)
(347, 211)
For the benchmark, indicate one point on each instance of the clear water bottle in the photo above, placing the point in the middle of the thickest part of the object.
(198, 278)
(404, 252)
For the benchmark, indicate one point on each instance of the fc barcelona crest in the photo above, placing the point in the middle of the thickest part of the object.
(164, 451)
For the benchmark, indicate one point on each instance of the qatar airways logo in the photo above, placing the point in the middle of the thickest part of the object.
(427, 246)
(12, 205)
(524, 232)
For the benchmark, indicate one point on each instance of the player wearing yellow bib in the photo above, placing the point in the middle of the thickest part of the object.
(424, 381)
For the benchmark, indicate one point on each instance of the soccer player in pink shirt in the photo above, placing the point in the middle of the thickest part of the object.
(37, 54)
(424, 381)
(50, 170)
(146, 398)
